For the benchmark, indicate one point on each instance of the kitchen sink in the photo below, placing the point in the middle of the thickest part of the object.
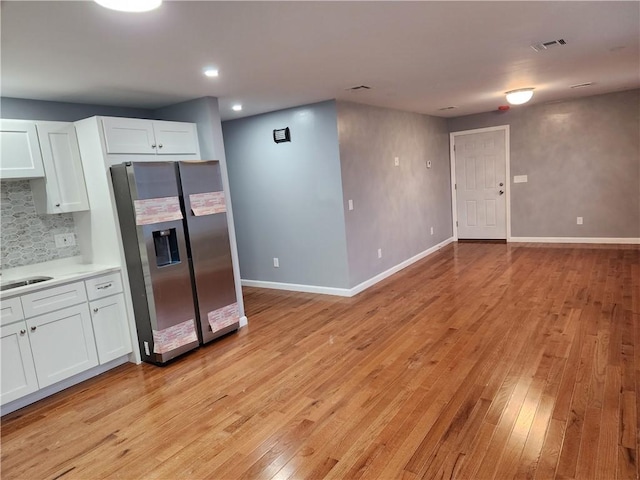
(23, 282)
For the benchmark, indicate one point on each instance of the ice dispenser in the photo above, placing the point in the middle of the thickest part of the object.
(166, 244)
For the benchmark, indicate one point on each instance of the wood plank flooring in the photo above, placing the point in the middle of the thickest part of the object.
(481, 361)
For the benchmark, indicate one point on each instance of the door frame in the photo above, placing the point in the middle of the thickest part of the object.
(452, 156)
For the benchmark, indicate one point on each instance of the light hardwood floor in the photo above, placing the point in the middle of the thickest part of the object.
(481, 361)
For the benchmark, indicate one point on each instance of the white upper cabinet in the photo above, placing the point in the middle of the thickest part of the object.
(149, 137)
(20, 155)
(175, 138)
(63, 190)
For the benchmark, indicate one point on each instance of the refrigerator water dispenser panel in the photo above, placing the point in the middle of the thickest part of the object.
(166, 244)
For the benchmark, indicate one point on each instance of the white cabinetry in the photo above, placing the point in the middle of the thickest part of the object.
(109, 319)
(109, 316)
(61, 337)
(20, 155)
(63, 190)
(62, 344)
(149, 137)
(18, 371)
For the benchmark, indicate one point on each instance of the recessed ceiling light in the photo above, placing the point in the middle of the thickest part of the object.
(130, 5)
(237, 107)
(211, 72)
(520, 96)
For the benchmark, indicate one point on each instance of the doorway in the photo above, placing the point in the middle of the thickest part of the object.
(480, 184)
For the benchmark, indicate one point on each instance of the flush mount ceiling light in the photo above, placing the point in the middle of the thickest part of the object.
(130, 5)
(211, 72)
(520, 96)
(237, 107)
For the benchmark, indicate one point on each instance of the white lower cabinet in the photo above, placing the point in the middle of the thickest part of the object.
(62, 344)
(110, 327)
(18, 371)
(55, 333)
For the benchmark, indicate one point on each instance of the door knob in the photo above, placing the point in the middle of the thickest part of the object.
(501, 184)
(501, 192)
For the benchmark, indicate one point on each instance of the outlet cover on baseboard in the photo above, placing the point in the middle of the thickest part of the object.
(579, 220)
(276, 262)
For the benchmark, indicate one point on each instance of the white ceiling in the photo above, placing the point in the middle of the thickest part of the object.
(416, 56)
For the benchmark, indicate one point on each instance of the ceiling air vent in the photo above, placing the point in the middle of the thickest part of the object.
(580, 85)
(541, 47)
(447, 108)
(360, 87)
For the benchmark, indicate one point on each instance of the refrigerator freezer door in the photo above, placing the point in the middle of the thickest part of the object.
(208, 235)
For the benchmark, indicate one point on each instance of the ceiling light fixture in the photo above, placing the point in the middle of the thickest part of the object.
(237, 107)
(520, 96)
(211, 72)
(130, 5)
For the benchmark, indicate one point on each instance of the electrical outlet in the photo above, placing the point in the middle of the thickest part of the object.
(431, 230)
(396, 161)
(579, 220)
(379, 253)
(350, 204)
(146, 349)
(65, 240)
(276, 262)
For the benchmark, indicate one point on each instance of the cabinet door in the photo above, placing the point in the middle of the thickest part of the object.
(176, 138)
(64, 189)
(19, 150)
(129, 135)
(110, 326)
(62, 344)
(18, 372)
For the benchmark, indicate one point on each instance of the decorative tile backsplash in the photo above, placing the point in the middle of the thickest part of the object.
(26, 236)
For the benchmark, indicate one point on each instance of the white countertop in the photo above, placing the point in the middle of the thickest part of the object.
(63, 271)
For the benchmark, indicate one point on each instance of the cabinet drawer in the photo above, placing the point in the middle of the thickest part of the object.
(103, 286)
(52, 299)
(11, 311)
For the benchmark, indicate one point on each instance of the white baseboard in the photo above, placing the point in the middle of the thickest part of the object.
(621, 241)
(296, 287)
(387, 273)
(345, 292)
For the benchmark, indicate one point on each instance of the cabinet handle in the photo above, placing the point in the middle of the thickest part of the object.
(33, 329)
(153, 145)
(95, 310)
(104, 287)
(57, 204)
(160, 145)
(22, 332)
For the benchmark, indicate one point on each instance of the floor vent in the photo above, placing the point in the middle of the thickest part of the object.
(541, 47)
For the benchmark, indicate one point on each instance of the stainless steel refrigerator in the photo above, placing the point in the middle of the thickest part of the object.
(176, 242)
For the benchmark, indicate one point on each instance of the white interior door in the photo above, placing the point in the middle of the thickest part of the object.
(481, 184)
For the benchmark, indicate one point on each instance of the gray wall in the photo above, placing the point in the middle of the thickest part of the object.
(582, 158)
(394, 207)
(288, 196)
(25, 109)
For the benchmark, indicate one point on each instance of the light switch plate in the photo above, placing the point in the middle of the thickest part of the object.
(520, 179)
(350, 204)
(396, 161)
